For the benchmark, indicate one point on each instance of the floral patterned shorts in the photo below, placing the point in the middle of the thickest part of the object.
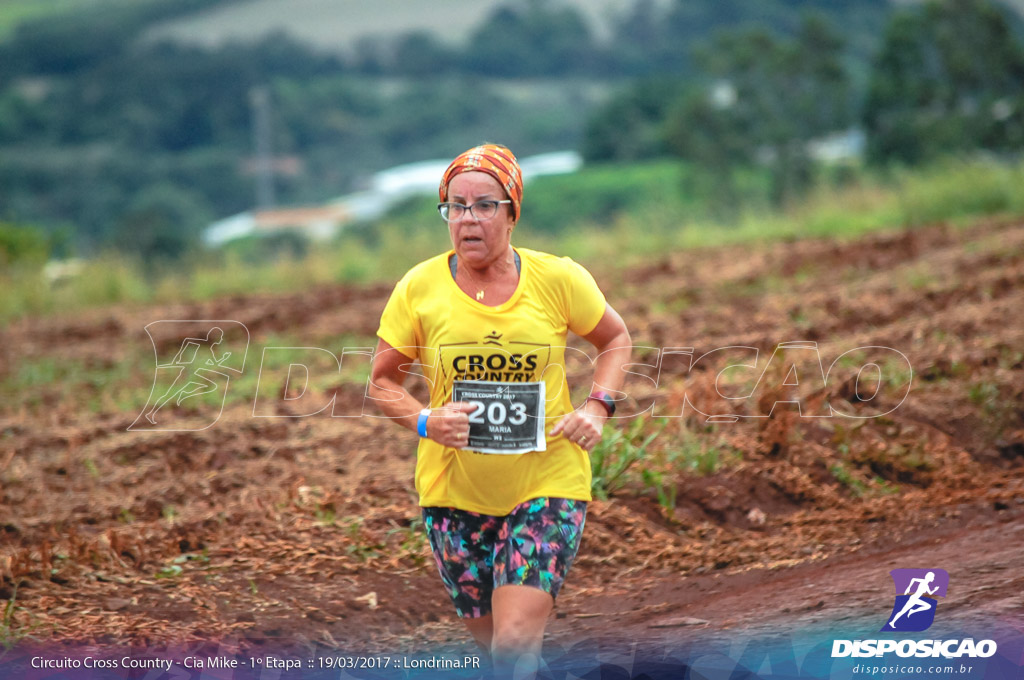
(531, 546)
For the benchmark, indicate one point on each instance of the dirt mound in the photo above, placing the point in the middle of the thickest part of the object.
(797, 453)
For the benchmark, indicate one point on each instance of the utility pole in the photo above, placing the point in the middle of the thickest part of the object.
(259, 100)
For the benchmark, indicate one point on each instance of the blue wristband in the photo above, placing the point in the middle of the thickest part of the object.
(421, 424)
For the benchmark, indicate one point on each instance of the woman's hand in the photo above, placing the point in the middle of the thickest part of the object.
(611, 340)
(583, 426)
(449, 425)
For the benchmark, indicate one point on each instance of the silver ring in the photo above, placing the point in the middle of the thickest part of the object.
(583, 440)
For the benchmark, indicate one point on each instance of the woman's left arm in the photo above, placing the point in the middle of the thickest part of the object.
(611, 340)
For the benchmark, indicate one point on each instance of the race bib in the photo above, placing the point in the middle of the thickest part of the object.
(506, 417)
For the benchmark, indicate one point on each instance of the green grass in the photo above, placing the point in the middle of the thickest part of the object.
(15, 12)
(698, 455)
(620, 449)
(616, 215)
(10, 631)
(97, 387)
(126, 385)
(602, 195)
(842, 473)
(986, 395)
(359, 547)
(952, 191)
(643, 455)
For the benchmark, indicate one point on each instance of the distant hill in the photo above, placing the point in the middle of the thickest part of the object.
(15, 12)
(336, 25)
(99, 130)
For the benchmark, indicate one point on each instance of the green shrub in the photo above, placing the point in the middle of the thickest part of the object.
(23, 245)
(954, 189)
(619, 450)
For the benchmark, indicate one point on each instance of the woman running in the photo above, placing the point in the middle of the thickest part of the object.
(502, 471)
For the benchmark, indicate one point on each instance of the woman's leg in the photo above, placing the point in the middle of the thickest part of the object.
(463, 547)
(537, 544)
(520, 614)
(503, 573)
(482, 630)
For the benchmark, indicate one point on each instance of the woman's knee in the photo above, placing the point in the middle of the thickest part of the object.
(517, 635)
(513, 642)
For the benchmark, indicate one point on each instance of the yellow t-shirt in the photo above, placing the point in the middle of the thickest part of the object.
(521, 340)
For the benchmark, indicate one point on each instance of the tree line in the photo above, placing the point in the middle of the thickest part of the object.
(947, 78)
(138, 145)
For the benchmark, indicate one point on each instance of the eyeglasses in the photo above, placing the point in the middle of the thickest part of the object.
(481, 210)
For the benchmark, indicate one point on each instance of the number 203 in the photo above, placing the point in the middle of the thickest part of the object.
(497, 414)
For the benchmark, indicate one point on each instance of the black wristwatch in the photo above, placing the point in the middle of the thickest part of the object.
(605, 399)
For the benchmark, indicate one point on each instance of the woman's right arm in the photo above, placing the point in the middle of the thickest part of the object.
(448, 425)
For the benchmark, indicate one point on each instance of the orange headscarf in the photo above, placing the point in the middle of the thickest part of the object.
(498, 162)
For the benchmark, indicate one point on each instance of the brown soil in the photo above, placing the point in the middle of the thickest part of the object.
(303, 532)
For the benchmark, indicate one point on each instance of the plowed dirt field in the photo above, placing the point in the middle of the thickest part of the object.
(303, 532)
